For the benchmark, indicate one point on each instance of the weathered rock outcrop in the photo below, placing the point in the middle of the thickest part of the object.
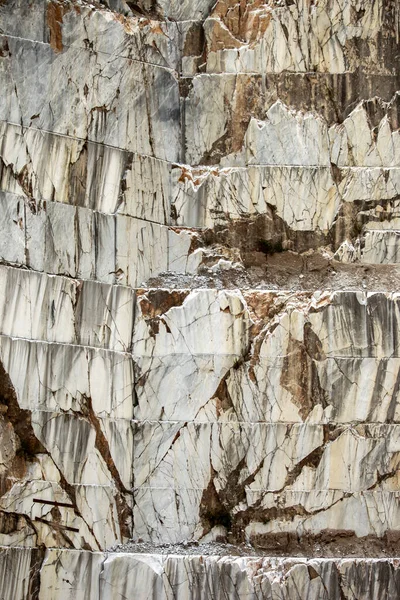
(200, 317)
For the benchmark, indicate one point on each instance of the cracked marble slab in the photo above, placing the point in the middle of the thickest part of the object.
(86, 515)
(62, 377)
(325, 36)
(58, 309)
(191, 323)
(64, 573)
(291, 369)
(268, 138)
(84, 25)
(161, 143)
(60, 239)
(225, 473)
(149, 118)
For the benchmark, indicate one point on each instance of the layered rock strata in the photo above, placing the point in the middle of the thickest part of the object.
(200, 317)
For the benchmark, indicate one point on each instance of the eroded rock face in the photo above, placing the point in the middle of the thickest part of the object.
(199, 266)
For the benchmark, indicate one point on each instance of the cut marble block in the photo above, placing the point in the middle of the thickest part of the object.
(63, 377)
(361, 515)
(65, 476)
(304, 198)
(103, 30)
(263, 453)
(18, 571)
(64, 574)
(109, 84)
(146, 41)
(51, 514)
(75, 241)
(12, 228)
(180, 387)
(137, 255)
(216, 578)
(323, 358)
(283, 136)
(147, 192)
(331, 324)
(49, 167)
(84, 575)
(297, 387)
(381, 247)
(87, 450)
(196, 476)
(65, 240)
(194, 323)
(295, 519)
(64, 310)
(291, 388)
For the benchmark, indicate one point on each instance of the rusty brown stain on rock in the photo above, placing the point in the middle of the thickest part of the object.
(212, 512)
(244, 20)
(222, 398)
(28, 446)
(221, 38)
(216, 508)
(246, 102)
(55, 13)
(10, 522)
(300, 376)
(154, 303)
(37, 558)
(78, 176)
(19, 419)
(313, 344)
(263, 306)
(156, 28)
(328, 543)
(194, 41)
(123, 509)
(189, 175)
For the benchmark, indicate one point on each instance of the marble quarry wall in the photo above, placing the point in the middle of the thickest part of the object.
(199, 299)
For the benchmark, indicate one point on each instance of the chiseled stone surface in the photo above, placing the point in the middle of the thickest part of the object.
(199, 306)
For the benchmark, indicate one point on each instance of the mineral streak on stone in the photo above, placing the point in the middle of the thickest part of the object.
(199, 304)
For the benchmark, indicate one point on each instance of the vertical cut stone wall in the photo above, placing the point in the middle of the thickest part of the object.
(199, 299)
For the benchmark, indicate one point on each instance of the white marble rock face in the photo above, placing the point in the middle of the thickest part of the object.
(165, 387)
(295, 36)
(86, 575)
